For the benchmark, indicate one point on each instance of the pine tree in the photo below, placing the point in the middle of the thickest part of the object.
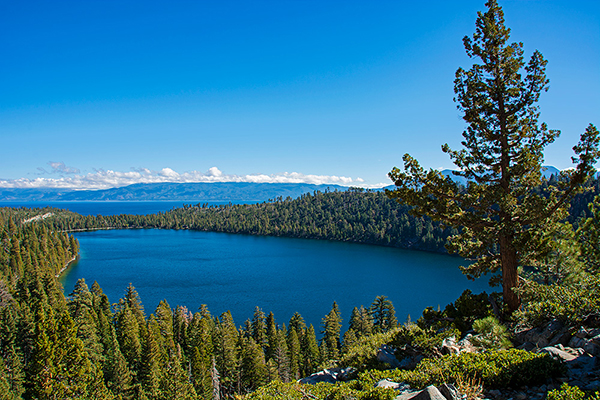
(151, 365)
(502, 157)
(332, 323)
(310, 352)
(361, 322)
(258, 328)
(227, 354)
(383, 314)
(253, 367)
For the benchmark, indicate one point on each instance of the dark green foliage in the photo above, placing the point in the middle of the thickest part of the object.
(567, 392)
(573, 303)
(331, 344)
(356, 215)
(361, 353)
(383, 314)
(460, 314)
(494, 369)
(500, 215)
(412, 339)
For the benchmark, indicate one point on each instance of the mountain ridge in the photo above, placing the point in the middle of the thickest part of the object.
(171, 191)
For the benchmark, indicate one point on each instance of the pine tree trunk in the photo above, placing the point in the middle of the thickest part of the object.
(510, 276)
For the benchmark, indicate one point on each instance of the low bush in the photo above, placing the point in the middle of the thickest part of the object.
(492, 334)
(571, 303)
(425, 341)
(493, 369)
(362, 355)
(567, 392)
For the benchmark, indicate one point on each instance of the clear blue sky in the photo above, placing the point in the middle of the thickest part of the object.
(102, 93)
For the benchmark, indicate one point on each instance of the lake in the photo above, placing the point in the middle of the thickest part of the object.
(110, 207)
(282, 275)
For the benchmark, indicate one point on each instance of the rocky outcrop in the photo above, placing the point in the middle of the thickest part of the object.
(549, 334)
(451, 346)
(331, 375)
(387, 354)
(444, 392)
(583, 368)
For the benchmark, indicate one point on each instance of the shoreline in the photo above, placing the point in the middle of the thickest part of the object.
(67, 265)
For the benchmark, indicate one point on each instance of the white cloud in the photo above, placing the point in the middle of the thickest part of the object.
(105, 179)
(214, 171)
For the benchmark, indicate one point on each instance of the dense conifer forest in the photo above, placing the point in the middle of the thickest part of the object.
(356, 215)
(82, 346)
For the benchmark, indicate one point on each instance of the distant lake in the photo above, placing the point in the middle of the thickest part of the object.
(109, 207)
(282, 275)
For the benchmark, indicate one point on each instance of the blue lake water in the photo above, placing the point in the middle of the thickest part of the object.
(109, 207)
(282, 275)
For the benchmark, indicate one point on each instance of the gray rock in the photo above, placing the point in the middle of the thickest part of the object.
(592, 347)
(386, 354)
(577, 341)
(554, 332)
(450, 392)
(429, 393)
(594, 386)
(495, 392)
(331, 375)
(558, 354)
(390, 385)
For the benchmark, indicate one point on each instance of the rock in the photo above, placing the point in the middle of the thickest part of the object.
(553, 332)
(520, 396)
(582, 333)
(558, 354)
(495, 393)
(593, 386)
(429, 393)
(577, 341)
(392, 385)
(450, 346)
(450, 392)
(386, 354)
(331, 375)
(527, 346)
(592, 347)
(410, 362)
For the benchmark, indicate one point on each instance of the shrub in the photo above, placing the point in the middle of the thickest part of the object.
(423, 340)
(567, 392)
(492, 334)
(493, 369)
(362, 355)
(295, 391)
(458, 315)
(571, 303)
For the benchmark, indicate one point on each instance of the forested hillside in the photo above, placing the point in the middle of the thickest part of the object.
(355, 215)
(81, 346)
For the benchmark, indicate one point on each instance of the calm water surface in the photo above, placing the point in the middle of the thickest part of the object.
(283, 275)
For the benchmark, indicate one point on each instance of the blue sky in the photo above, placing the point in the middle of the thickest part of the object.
(106, 93)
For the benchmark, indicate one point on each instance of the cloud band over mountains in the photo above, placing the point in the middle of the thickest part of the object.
(106, 179)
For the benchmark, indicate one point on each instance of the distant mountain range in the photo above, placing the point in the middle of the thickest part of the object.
(197, 192)
(547, 172)
(193, 192)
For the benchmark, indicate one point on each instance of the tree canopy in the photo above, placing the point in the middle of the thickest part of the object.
(503, 219)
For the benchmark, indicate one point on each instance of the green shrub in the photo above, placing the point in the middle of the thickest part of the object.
(494, 369)
(423, 340)
(362, 355)
(340, 391)
(492, 334)
(567, 392)
(458, 315)
(570, 303)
